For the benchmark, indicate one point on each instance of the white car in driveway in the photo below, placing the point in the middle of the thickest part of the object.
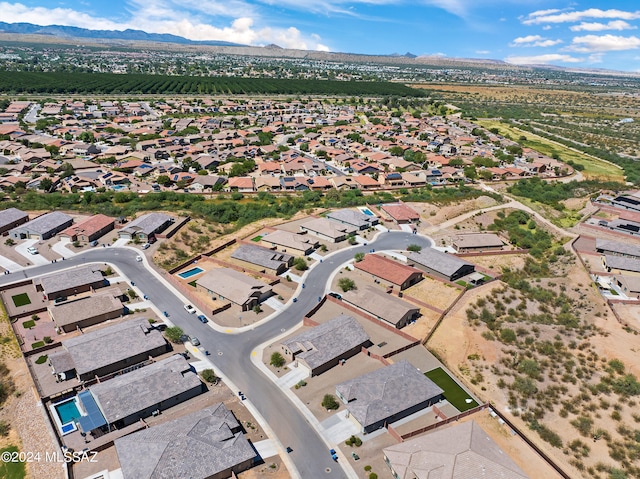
(189, 309)
(32, 250)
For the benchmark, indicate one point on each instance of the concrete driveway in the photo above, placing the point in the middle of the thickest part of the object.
(36, 259)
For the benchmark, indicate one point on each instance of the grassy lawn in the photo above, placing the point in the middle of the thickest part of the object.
(37, 344)
(452, 392)
(29, 324)
(593, 168)
(21, 299)
(256, 238)
(12, 470)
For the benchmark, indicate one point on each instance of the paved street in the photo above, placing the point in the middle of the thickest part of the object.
(231, 353)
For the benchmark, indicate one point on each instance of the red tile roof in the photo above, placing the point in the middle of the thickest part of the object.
(387, 269)
(401, 212)
(89, 226)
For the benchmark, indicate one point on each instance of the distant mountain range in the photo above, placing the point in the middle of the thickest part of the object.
(75, 32)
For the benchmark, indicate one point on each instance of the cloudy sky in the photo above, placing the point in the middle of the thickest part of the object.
(592, 34)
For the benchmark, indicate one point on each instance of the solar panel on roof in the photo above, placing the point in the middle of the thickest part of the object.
(94, 418)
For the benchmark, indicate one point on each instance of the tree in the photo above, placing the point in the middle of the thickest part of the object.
(414, 247)
(300, 264)
(329, 402)
(358, 257)
(46, 184)
(173, 334)
(277, 360)
(163, 180)
(346, 284)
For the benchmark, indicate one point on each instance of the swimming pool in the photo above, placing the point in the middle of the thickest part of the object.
(367, 212)
(191, 272)
(118, 187)
(67, 411)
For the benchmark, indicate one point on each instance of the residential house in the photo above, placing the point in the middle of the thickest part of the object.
(11, 218)
(271, 261)
(401, 213)
(326, 345)
(209, 444)
(459, 451)
(242, 184)
(145, 227)
(328, 230)
(130, 397)
(386, 269)
(227, 284)
(90, 229)
(388, 308)
(297, 244)
(353, 218)
(87, 311)
(70, 281)
(42, 227)
(616, 248)
(386, 395)
(439, 264)
(478, 242)
(107, 350)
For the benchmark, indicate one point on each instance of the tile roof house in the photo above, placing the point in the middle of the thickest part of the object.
(401, 213)
(324, 346)
(386, 395)
(201, 445)
(70, 281)
(389, 270)
(460, 451)
(442, 265)
(229, 284)
(90, 229)
(386, 307)
(328, 230)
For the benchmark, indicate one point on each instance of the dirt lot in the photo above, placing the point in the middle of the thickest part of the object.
(431, 214)
(435, 293)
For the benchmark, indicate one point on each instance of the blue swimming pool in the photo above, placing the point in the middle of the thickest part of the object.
(191, 272)
(67, 411)
(118, 187)
(69, 427)
(367, 212)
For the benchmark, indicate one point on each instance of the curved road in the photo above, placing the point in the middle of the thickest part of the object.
(231, 353)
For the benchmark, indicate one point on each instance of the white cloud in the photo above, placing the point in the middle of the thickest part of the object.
(539, 17)
(534, 41)
(482, 52)
(603, 43)
(178, 17)
(595, 58)
(598, 27)
(542, 59)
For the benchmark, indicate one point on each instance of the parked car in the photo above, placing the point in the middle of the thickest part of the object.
(145, 246)
(138, 258)
(334, 456)
(32, 250)
(94, 243)
(184, 338)
(195, 341)
(189, 309)
(202, 318)
(59, 299)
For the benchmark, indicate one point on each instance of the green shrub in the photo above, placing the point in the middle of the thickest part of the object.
(209, 376)
(346, 284)
(42, 359)
(329, 402)
(173, 334)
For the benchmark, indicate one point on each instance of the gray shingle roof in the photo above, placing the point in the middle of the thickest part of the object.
(10, 215)
(195, 446)
(623, 263)
(380, 304)
(69, 279)
(329, 228)
(290, 240)
(616, 247)
(264, 257)
(352, 217)
(45, 223)
(327, 341)
(233, 285)
(89, 307)
(443, 263)
(138, 390)
(146, 224)
(100, 348)
(382, 393)
(462, 451)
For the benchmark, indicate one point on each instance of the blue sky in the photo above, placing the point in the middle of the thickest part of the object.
(586, 34)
